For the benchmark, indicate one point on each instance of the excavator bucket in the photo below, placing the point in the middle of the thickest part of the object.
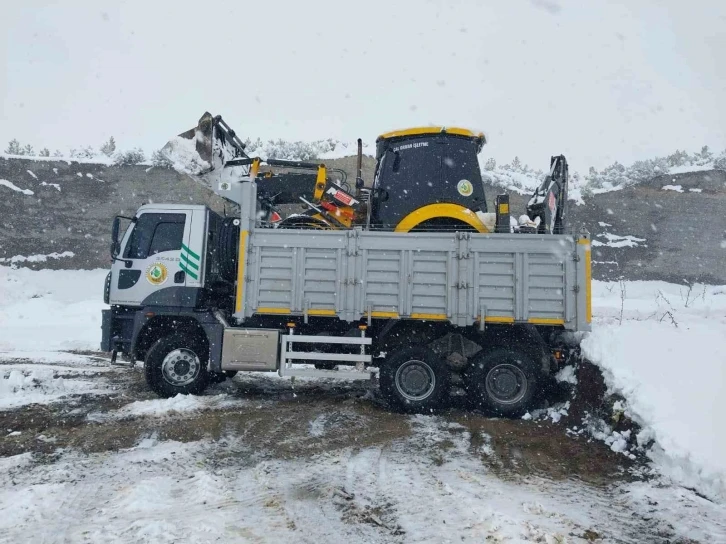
(203, 151)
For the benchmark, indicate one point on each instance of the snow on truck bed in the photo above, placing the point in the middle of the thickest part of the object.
(663, 350)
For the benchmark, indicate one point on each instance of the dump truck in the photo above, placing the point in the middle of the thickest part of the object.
(418, 288)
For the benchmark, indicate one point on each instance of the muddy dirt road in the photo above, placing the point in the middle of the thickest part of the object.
(87, 453)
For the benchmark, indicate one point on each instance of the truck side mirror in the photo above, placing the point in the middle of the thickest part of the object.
(115, 244)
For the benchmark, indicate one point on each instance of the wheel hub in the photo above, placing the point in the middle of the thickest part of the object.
(506, 383)
(180, 367)
(415, 380)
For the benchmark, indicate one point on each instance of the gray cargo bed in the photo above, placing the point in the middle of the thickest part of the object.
(458, 277)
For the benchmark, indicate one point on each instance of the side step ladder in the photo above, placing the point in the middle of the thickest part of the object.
(114, 362)
(288, 354)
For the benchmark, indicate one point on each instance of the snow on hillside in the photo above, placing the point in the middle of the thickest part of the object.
(10, 185)
(686, 168)
(99, 159)
(661, 346)
(305, 151)
(38, 258)
(515, 176)
(680, 162)
(618, 241)
(524, 180)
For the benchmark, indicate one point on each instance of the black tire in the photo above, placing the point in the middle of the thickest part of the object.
(169, 373)
(414, 380)
(502, 381)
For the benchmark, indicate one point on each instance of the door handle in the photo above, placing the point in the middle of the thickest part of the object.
(179, 277)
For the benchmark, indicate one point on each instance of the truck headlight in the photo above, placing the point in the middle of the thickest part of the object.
(107, 289)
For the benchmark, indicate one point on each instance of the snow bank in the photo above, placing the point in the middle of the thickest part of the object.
(46, 310)
(667, 360)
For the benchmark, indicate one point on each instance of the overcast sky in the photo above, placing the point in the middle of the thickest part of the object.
(597, 81)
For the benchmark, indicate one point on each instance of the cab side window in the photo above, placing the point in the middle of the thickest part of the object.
(154, 233)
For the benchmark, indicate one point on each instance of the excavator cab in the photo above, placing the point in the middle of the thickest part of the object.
(428, 179)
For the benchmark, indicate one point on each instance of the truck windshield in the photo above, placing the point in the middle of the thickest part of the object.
(154, 233)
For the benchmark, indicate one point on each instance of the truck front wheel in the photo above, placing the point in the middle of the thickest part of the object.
(176, 364)
(502, 381)
(414, 379)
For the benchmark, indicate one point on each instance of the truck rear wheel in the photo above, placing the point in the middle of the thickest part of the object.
(176, 364)
(414, 379)
(502, 381)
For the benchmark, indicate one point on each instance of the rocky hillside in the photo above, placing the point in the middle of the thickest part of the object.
(57, 214)
(672, 228)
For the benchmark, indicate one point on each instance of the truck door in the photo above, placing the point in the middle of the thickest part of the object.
(151, 256)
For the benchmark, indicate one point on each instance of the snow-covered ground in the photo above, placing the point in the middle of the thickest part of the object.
(49, 310)
(662, 350)
(206, 491)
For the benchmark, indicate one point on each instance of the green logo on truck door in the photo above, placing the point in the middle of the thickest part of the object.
(189, 262)
(156, 273)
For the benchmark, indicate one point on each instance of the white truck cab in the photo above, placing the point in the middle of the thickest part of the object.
(161, 257)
